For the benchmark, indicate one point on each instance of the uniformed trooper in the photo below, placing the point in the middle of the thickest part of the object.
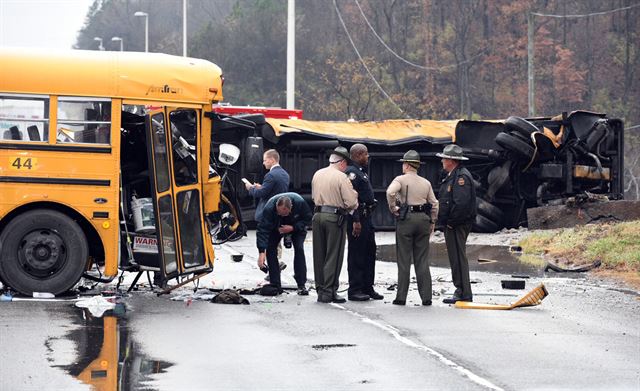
(334, 199)
(412, 201)
(361, 258)
(457, 214)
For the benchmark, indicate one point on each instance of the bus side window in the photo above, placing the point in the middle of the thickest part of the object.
(84, 120)
(24, 118)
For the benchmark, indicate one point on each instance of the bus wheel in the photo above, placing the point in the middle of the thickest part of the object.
(485, 225)
(521, 125)
(42, 251)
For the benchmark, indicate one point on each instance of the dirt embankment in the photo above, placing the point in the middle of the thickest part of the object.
(616, 247)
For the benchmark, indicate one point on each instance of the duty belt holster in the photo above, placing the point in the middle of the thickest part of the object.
(333, 210)
(403, 208)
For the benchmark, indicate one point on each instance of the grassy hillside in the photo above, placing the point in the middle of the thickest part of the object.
(617, 246)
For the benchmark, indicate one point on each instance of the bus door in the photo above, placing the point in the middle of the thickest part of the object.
(172, 136)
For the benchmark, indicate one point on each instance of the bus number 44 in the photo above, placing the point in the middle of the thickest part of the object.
(22, 163)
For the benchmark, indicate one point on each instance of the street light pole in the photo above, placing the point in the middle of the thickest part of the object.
(184, 28)
(291, 54)
(146, 28)
(530, 65)
(118, 39)
(100, 47)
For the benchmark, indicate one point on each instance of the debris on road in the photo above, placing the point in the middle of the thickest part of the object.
(229, 296)
(556, 267)
(512, 284)
(532, 298)
(97, 305)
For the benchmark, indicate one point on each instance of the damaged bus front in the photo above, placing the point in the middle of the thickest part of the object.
(106, 163)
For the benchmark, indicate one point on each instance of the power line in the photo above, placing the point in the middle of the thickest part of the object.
(344, 26)
(585, 15)
(439, 68)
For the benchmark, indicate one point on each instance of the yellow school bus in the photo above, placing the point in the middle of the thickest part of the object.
(104, 160)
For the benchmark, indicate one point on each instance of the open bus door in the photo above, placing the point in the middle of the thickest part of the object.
(172, 136)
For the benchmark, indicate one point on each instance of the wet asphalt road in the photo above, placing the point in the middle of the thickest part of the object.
(585, 335)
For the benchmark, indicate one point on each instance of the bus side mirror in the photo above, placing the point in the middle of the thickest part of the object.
(254, 149)
(229, 154)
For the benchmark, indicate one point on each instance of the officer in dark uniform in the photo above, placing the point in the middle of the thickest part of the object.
(457, 213)
(361, 259)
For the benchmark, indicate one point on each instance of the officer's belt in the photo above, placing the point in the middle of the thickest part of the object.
(418, 208)
(329, 209)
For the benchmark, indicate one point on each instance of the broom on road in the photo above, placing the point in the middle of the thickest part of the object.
(532, 298)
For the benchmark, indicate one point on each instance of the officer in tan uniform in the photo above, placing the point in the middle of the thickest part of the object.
(334, 199)
(412, 201)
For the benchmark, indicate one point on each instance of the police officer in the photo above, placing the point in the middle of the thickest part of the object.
(361, 258)
(412, 201)
(457, 214)
(334, 198)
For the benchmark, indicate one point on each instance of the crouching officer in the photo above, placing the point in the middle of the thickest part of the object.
(412, 201)
(334, 198)
(361, 257)
(457, 214)
(284, 214)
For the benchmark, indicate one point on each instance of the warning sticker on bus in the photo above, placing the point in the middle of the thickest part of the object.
(145, 245)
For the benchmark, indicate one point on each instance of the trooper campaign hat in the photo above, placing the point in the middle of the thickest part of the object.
(342, 152)
(452, 152)
(411, 157)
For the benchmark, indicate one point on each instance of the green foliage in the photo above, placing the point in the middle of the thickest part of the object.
(617, 245)
(476, 51)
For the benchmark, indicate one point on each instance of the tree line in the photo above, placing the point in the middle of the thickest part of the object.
(380, 59)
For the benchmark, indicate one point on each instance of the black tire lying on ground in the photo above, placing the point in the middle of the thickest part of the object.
(484, 225)
(514, 144)
(521, 125)
(490, 211)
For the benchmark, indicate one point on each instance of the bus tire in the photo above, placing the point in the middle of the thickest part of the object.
(516, 145)
(484, 225)
(490, 211)
(521, 125)
(43, 251)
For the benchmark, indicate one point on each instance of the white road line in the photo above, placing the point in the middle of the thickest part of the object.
(396, 334)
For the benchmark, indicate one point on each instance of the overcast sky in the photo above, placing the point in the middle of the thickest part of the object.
(41, 23)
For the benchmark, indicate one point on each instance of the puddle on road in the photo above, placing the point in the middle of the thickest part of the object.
(108, 358)
(493, 259)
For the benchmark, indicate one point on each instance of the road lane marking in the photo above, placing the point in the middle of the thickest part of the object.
(448, 362)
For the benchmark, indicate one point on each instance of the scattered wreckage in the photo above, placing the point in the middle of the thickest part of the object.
(517, 163)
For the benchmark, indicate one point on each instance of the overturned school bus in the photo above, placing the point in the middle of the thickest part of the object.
(517, 163)
(107, 158)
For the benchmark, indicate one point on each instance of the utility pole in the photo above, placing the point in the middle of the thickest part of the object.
(291, 54)
(184, 28)
(530, 66)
